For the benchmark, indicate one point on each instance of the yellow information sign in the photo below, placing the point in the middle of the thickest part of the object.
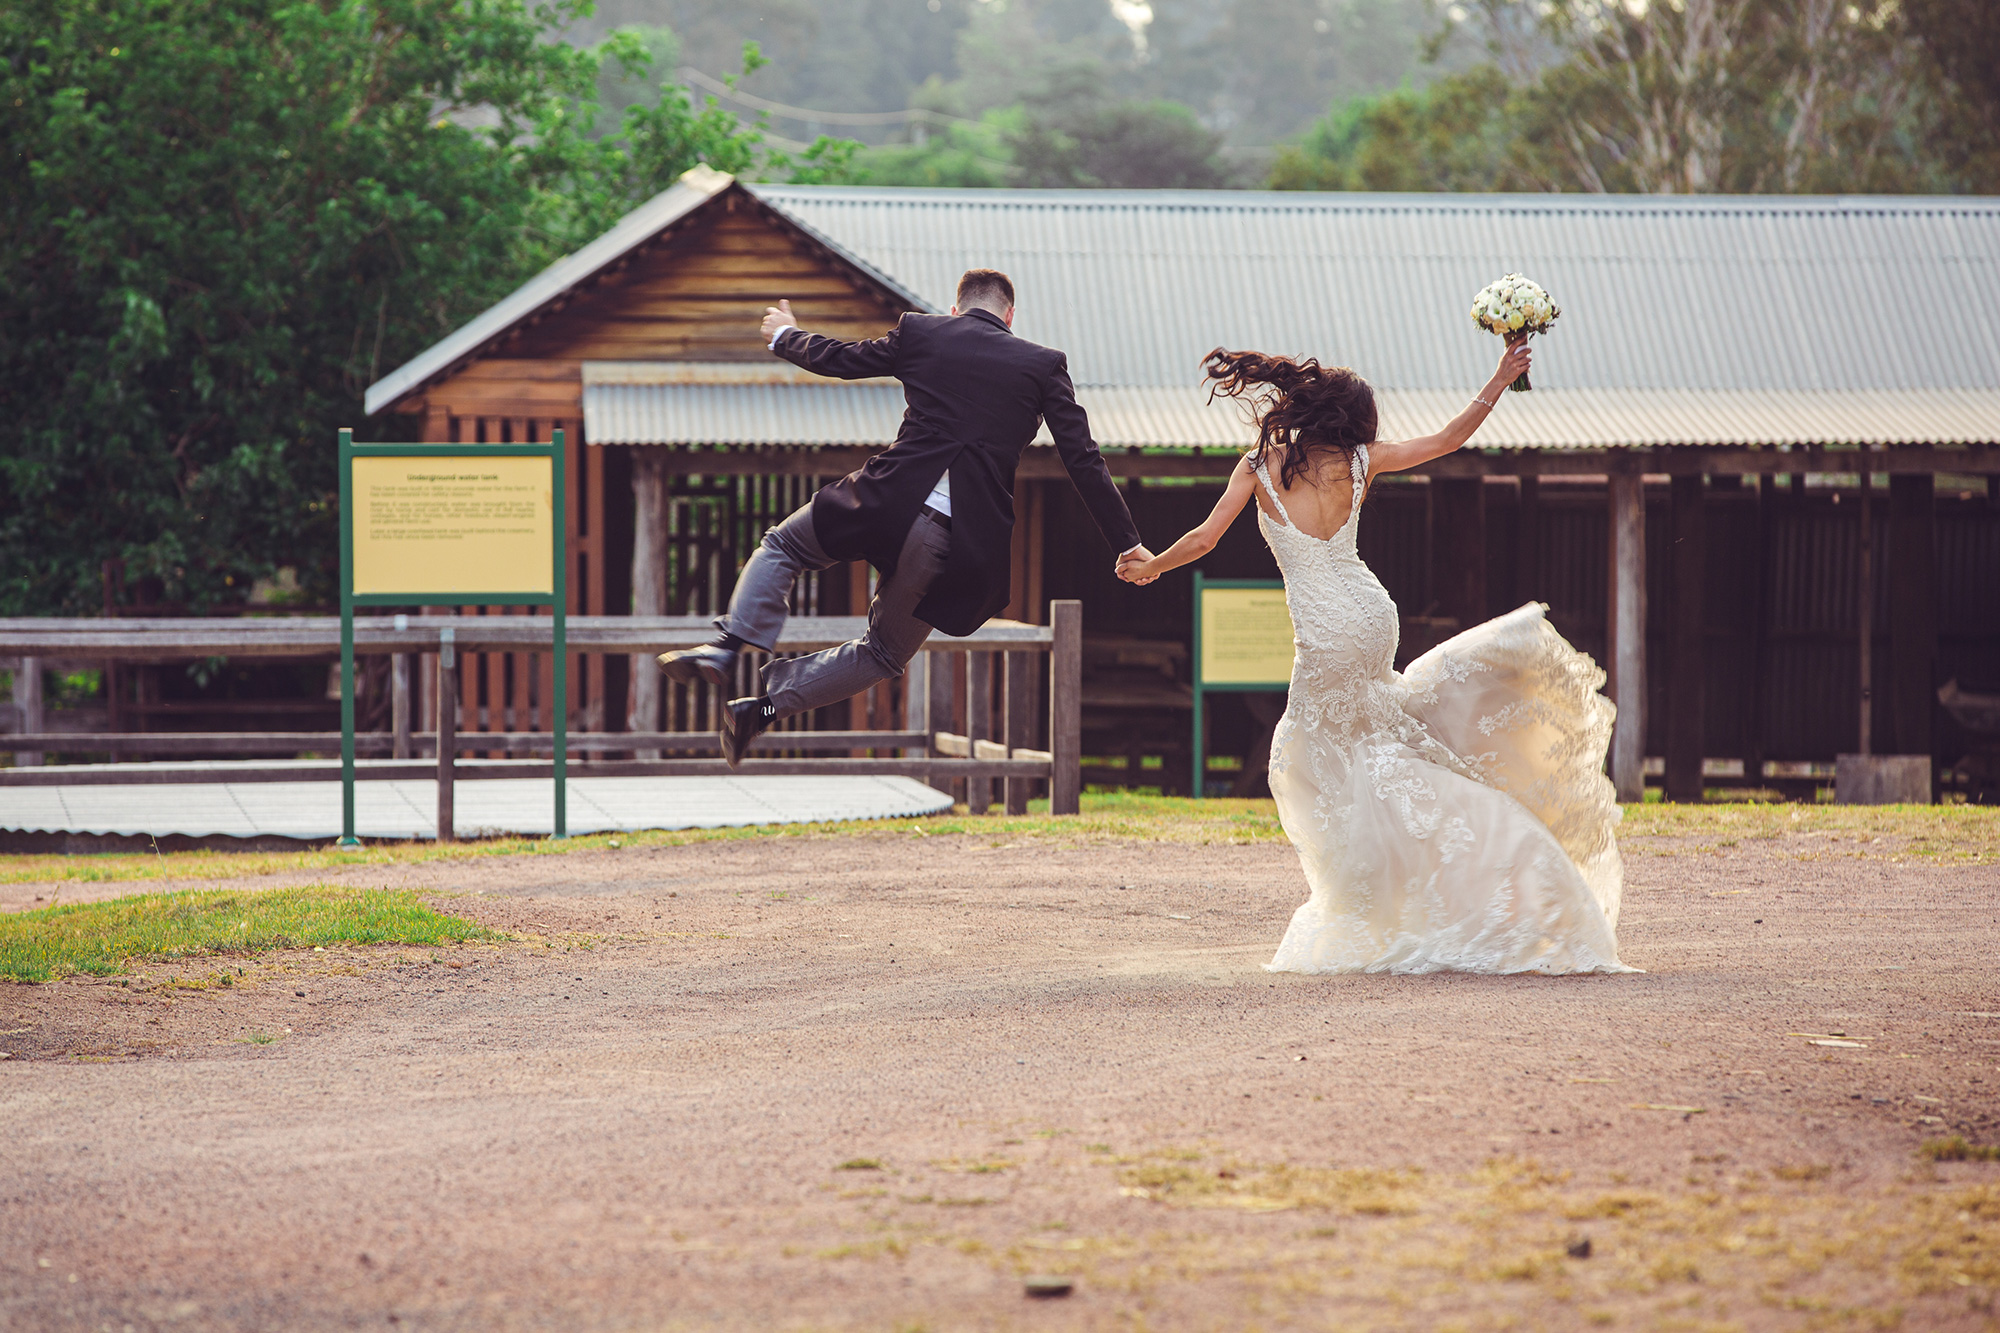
(459, 525)
(1246, 636)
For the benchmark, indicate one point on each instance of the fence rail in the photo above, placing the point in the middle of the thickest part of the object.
(1004, 688)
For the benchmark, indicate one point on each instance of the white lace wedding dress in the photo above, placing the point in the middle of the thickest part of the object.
(1452, 817)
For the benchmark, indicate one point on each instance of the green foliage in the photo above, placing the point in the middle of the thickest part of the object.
(1788, 96)
(1453, 135)
(220, 220)
(98, 939)
(1124, 145)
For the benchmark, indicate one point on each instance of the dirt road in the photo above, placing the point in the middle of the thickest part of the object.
(875, 1082)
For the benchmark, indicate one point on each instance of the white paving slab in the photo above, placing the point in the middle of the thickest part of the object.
(407, 807)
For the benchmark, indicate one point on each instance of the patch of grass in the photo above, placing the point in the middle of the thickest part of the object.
(1949, 834)
(99, 939)
(1956, 1149)
(1108, 815)
(861, 1164)
(1366, 1193)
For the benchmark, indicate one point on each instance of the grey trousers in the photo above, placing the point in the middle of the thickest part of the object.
(763, 597)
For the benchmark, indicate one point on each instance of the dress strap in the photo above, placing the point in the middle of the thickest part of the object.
(1357, 463)
(1272, 491)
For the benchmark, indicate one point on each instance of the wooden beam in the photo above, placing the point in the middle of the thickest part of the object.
(1066, 706)
(154, 775)
(1913, 630)
(649, 586)
(1686, 716)
(1040, 463)
(1625, 632)
(28, 706)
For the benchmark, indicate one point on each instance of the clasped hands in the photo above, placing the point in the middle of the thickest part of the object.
(1132, 566)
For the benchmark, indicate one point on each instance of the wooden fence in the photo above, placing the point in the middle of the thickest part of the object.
(994, 756)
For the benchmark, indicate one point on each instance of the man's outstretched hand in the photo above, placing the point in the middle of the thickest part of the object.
(1132, 564)
(776, 317)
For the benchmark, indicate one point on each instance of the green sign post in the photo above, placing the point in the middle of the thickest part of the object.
(452, 525)
(1242, 644)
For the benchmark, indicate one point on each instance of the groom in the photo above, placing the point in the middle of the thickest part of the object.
(934, 513)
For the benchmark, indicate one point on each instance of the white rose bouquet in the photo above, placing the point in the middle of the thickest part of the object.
(1515, 308)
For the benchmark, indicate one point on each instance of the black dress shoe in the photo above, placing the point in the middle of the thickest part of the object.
(711, 662)
(743, 721)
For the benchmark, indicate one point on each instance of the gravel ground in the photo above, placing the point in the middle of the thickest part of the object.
(877, 1082)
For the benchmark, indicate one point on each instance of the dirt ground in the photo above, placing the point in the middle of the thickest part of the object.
(878, 1082)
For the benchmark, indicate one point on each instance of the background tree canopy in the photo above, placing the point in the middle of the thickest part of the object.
(220, 220)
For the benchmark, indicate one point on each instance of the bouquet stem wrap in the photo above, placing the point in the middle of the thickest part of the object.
(1520, 384)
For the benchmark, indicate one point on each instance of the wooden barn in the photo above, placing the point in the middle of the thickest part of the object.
(1729, 378)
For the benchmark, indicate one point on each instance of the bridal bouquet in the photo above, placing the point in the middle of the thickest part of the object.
(1514, 307)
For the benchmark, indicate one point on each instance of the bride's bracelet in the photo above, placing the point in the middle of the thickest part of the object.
(1488, 406)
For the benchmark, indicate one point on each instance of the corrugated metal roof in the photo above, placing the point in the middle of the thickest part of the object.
(1690, 292)
(831, 413)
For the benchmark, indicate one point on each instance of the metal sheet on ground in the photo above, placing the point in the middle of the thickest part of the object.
(403, 808)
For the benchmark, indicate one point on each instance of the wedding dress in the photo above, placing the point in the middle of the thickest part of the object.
(1451, 817)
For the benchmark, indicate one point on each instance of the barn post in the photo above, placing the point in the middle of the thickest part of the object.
(649, 583)
(1625, 627)
(1865, 612)
(1913, 631)
(1685, 707)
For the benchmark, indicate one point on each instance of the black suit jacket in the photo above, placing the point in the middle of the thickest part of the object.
(976, 396)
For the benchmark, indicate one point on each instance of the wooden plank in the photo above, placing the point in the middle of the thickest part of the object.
(28, 707)
(1625, 629)
(312, 636)
(1459, 563)
(1018, 725)
(978, 723)
(474, 770)
(1066, 706)
(939, 715)
(1686, 714)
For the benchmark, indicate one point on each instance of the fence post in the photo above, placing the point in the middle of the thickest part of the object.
(447, 732)
(938, 716)
(1017, 727)
(399, 703)
(1066, 706)
(28, 699)
(978, 724)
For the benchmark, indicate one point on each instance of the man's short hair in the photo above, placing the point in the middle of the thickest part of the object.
(986, 287)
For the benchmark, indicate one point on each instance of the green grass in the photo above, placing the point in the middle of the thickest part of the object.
(1952, 834)
(99, 939)
(1956, 1149)
(1112, 815)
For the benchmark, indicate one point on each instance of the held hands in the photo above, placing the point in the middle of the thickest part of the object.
(1134, 564)
(776, 317)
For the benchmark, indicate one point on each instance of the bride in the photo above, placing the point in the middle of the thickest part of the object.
(1455, 816)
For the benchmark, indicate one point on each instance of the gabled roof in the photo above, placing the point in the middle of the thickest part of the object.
(694, 189)
(1685, 292)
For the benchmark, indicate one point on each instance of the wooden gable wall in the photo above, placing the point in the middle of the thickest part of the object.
(694, 293)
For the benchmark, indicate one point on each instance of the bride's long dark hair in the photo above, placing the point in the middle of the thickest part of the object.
(1300, 407)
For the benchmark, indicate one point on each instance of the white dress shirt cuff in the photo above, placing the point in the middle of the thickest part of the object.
(779, 334)
(1123, 554)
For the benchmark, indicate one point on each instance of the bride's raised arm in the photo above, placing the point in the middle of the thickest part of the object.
(1399, 455)
(1201, 540)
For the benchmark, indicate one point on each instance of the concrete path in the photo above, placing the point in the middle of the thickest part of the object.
(407, 807)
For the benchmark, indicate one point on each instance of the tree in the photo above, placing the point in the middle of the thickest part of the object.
(221, 219)
(1454, 135)
(1695, 96)
(1075, 142)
